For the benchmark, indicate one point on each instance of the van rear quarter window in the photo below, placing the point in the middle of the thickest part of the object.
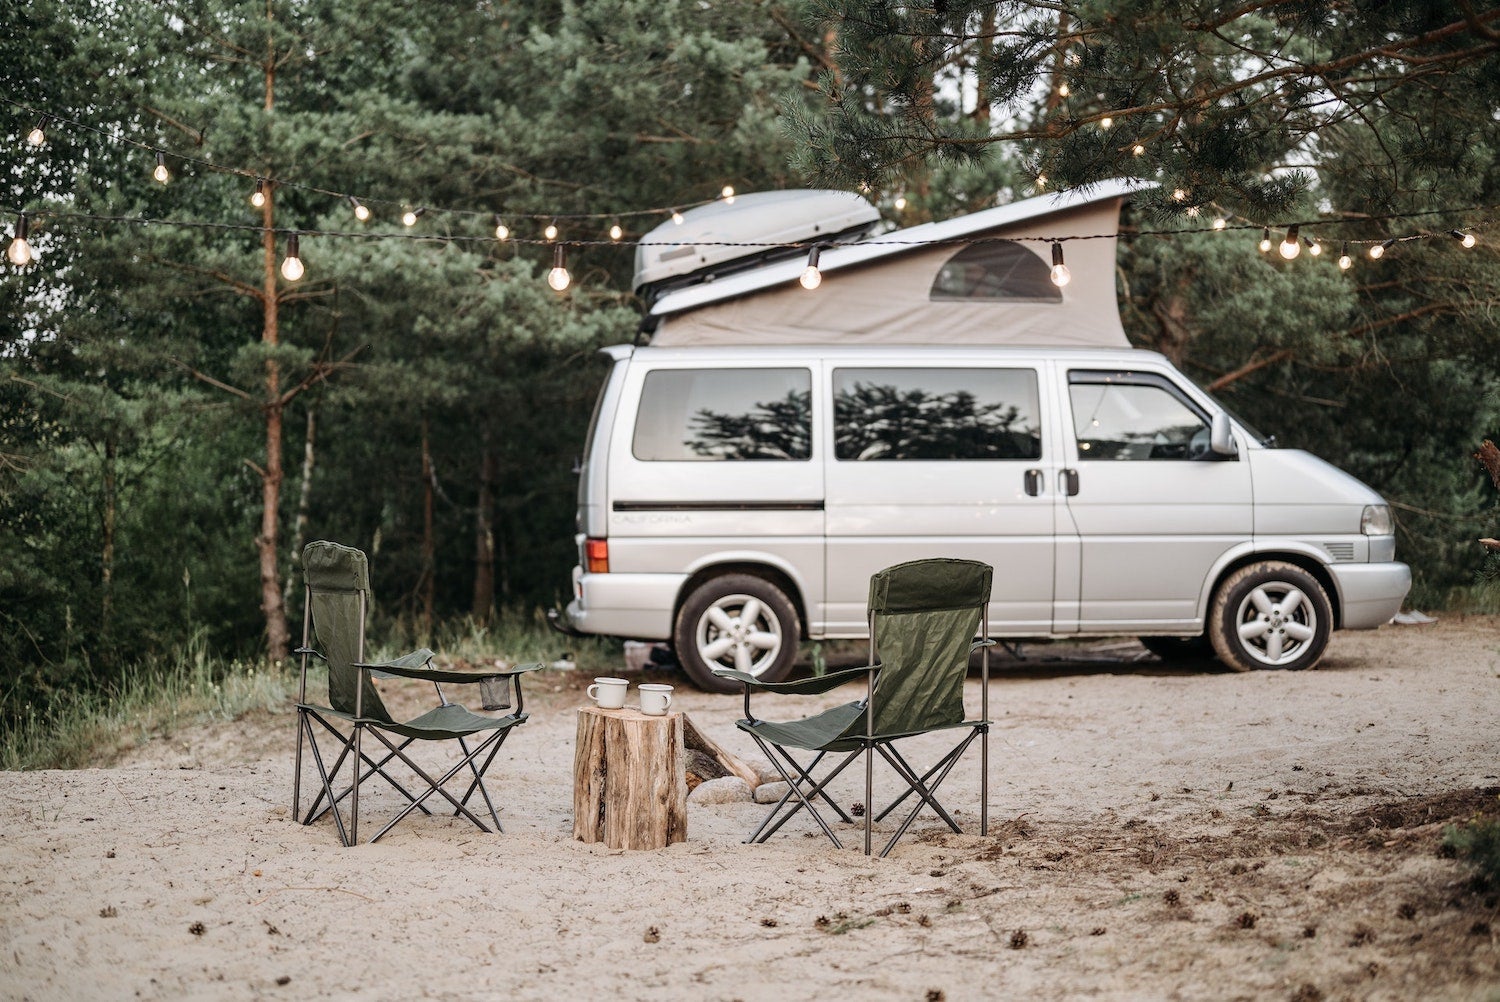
(936, 413)
(706, 415)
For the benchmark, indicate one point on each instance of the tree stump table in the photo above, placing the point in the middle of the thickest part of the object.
(629, 786)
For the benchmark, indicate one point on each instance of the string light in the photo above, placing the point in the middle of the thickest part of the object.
(1137, 149)
(1345, 261)
(727, 193)
(550, 232)
(410, 216)
(361, 210)
(900, 203)
(1106, 122)
(38, 134)
(558, 277)
(258, 196)
(1313, 247)
(1220, 222)
(1062, 90)
(811, 276)
(291, 268)
(1378, 250)
(1265, 239)
(502, 232)
(160, 172)
(1290, 245)
(676, 217)
(1179, 195)
(1061, 276)
(615, 232)
(1466, 239)
(19, 251)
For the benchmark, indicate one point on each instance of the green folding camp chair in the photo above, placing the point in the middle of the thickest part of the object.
(338, 593)
(924, 616)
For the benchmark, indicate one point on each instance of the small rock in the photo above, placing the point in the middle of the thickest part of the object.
(726, 790)
(770, 793)
(653, 935)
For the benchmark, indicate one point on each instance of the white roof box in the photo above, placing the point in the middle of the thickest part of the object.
(732, 234)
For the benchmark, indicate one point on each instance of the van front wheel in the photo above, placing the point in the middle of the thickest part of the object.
(1270, 615)
(736, 621)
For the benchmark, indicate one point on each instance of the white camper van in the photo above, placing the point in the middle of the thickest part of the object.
(938, 396)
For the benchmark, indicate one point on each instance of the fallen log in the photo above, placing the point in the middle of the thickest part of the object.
(695, 740)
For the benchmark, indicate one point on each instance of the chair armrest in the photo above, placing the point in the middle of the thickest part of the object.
(414, 666)
(803, 687)
(308, 650)
(976, 645)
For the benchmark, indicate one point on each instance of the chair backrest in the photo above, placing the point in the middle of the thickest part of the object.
(924, 616)
(338, 592)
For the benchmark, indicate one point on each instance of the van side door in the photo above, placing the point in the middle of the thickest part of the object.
(940, 461)
(1153, 508)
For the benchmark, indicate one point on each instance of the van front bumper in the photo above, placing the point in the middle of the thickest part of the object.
(1371, 593)
(636, 606)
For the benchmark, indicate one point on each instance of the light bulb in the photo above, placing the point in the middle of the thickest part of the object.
(19, 251)
(361, 211)
(1106, 122)
(1378, 250)
(502, 232)
(615, 232)
(900, 203)
(1220, 222)
(1290, 245)
(558, 277)
(258, 196)
(1466, 239)
(1265, 239)
(1345, 261)
(1137, 149)
(160, 172)
(291, 267)
(1061, 276)
(410, 216)
(811, 276)
(1179, 195)
(1062, 90)
(676, 217)
(550, 232)
(727, 193)
(38, 135)
(1313, 247)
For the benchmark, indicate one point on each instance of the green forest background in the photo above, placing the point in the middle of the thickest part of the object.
(430, 397)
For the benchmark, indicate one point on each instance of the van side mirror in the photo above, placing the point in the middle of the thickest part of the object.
(1221, 437)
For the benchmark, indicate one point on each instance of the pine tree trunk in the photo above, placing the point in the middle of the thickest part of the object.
(429, 545)
(484, 537)
(107, 549)
(304, 498)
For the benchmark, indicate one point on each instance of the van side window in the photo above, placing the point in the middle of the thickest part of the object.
(981, 413)
(697, 415)
(999, 271)
(1134, 416)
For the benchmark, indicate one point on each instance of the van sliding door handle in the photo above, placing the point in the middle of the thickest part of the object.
(1033, 483)
(1069, 479)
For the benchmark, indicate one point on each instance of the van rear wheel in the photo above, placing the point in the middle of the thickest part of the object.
(736, 621)
(1270, 615)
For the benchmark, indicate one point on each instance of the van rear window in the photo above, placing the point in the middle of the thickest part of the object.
(698, 415)
(918, 413)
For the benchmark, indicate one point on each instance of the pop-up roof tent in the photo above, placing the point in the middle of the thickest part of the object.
(983, 278)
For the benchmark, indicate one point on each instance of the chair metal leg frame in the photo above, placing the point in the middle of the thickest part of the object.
(436, 786)
(924, 792)
(794, 788)
(314, 812)
(338, 819)
(904, 769)
(479, 772)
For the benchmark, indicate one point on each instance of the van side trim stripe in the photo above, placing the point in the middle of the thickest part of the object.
(718, 506)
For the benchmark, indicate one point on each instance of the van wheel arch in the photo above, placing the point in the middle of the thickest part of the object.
(1314, 567)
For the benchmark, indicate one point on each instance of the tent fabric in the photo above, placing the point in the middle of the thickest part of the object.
(886, 299)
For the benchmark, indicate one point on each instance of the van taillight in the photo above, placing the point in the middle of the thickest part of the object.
(596, 556)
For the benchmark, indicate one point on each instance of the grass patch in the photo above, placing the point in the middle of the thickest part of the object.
(82, 729)
(1477, 843)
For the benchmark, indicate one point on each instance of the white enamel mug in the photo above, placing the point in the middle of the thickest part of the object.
(655, 699)
(609, 693)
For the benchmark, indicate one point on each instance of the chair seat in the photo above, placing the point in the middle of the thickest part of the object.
(442, 722)
(813, 733)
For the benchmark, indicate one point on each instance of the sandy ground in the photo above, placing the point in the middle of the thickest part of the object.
(1155, 833)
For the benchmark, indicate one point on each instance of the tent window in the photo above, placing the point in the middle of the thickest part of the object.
(997, 271)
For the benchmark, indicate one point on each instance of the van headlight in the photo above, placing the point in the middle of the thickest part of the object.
(1376, 520)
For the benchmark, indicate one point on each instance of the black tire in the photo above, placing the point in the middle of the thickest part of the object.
(1177, 650)
(709, 631)
(1270, 615)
